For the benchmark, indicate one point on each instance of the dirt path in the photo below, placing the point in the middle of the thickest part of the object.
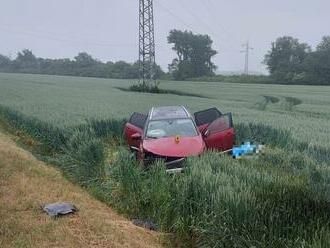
(26, 184)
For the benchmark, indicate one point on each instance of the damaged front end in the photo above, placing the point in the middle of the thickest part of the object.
(171, 163)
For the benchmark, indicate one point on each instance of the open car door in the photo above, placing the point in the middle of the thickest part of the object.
(133, 130)
(217, 129)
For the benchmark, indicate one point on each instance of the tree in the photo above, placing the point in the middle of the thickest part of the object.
(85, 65)
(122, 69)
(324, 44)
(84, 60)
(317, 63)
(5, 63)
(26, 62)
(285, 59)
(194, 54)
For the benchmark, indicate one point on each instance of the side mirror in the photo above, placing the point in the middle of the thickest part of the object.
(136, 136)
(206, 133)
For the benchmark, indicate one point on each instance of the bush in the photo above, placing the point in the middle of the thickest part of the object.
(145, 88)
(243, 79)
(157, 90)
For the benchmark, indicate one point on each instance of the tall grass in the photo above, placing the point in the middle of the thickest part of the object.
(280, 199)
(51, 136)
(80, 150)
(260, 133)
(221, 202)
(266, 100)
(290, 102)
(142, 193)
(106, 128)
(85, 153)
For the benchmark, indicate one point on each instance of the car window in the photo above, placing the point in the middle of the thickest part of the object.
(220, 124)
(206, 116)
(173, 127)
(138, 120)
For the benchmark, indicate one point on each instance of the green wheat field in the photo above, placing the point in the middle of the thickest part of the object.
(71, 100)
(280, 198)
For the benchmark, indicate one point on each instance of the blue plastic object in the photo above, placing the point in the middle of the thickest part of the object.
(245, 148)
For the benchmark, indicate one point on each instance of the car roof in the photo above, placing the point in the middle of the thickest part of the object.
(168, 112)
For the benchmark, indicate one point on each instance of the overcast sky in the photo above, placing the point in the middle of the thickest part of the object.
(108, 29)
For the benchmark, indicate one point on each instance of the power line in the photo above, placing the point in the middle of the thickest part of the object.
(174, 15)
(48, 36)
(211, 7)
(195, 16)
(67, 40)
(171, 13)
(192, 28)
(209, 28)
(201, 21)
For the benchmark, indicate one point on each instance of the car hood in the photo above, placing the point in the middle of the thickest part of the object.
(173, 147)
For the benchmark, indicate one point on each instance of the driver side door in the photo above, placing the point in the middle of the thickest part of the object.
(134, 126)
(217, 129)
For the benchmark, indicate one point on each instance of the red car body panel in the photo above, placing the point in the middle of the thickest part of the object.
(221, 141)
(221, 134)
(129, 131)
(169, 147)
(202, 128)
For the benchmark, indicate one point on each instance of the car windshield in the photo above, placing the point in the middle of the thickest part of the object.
(167, 128)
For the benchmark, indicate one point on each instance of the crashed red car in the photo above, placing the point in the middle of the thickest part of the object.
(171, 133)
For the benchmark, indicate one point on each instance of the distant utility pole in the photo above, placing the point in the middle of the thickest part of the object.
(146, 43)
(246, 51)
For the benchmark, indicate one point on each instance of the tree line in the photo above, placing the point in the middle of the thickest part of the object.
(292, 62)
(288, 61)
(82, 65)
(194, 53)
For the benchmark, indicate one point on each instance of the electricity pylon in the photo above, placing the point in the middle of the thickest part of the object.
(146, 43)
(246, 51)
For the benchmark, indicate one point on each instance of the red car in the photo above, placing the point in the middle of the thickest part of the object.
(172, 133)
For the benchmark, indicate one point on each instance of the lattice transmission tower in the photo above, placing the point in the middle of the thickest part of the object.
(146, 43)
(246, 51)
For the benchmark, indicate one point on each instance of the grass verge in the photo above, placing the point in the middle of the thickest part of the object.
(26, 184)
